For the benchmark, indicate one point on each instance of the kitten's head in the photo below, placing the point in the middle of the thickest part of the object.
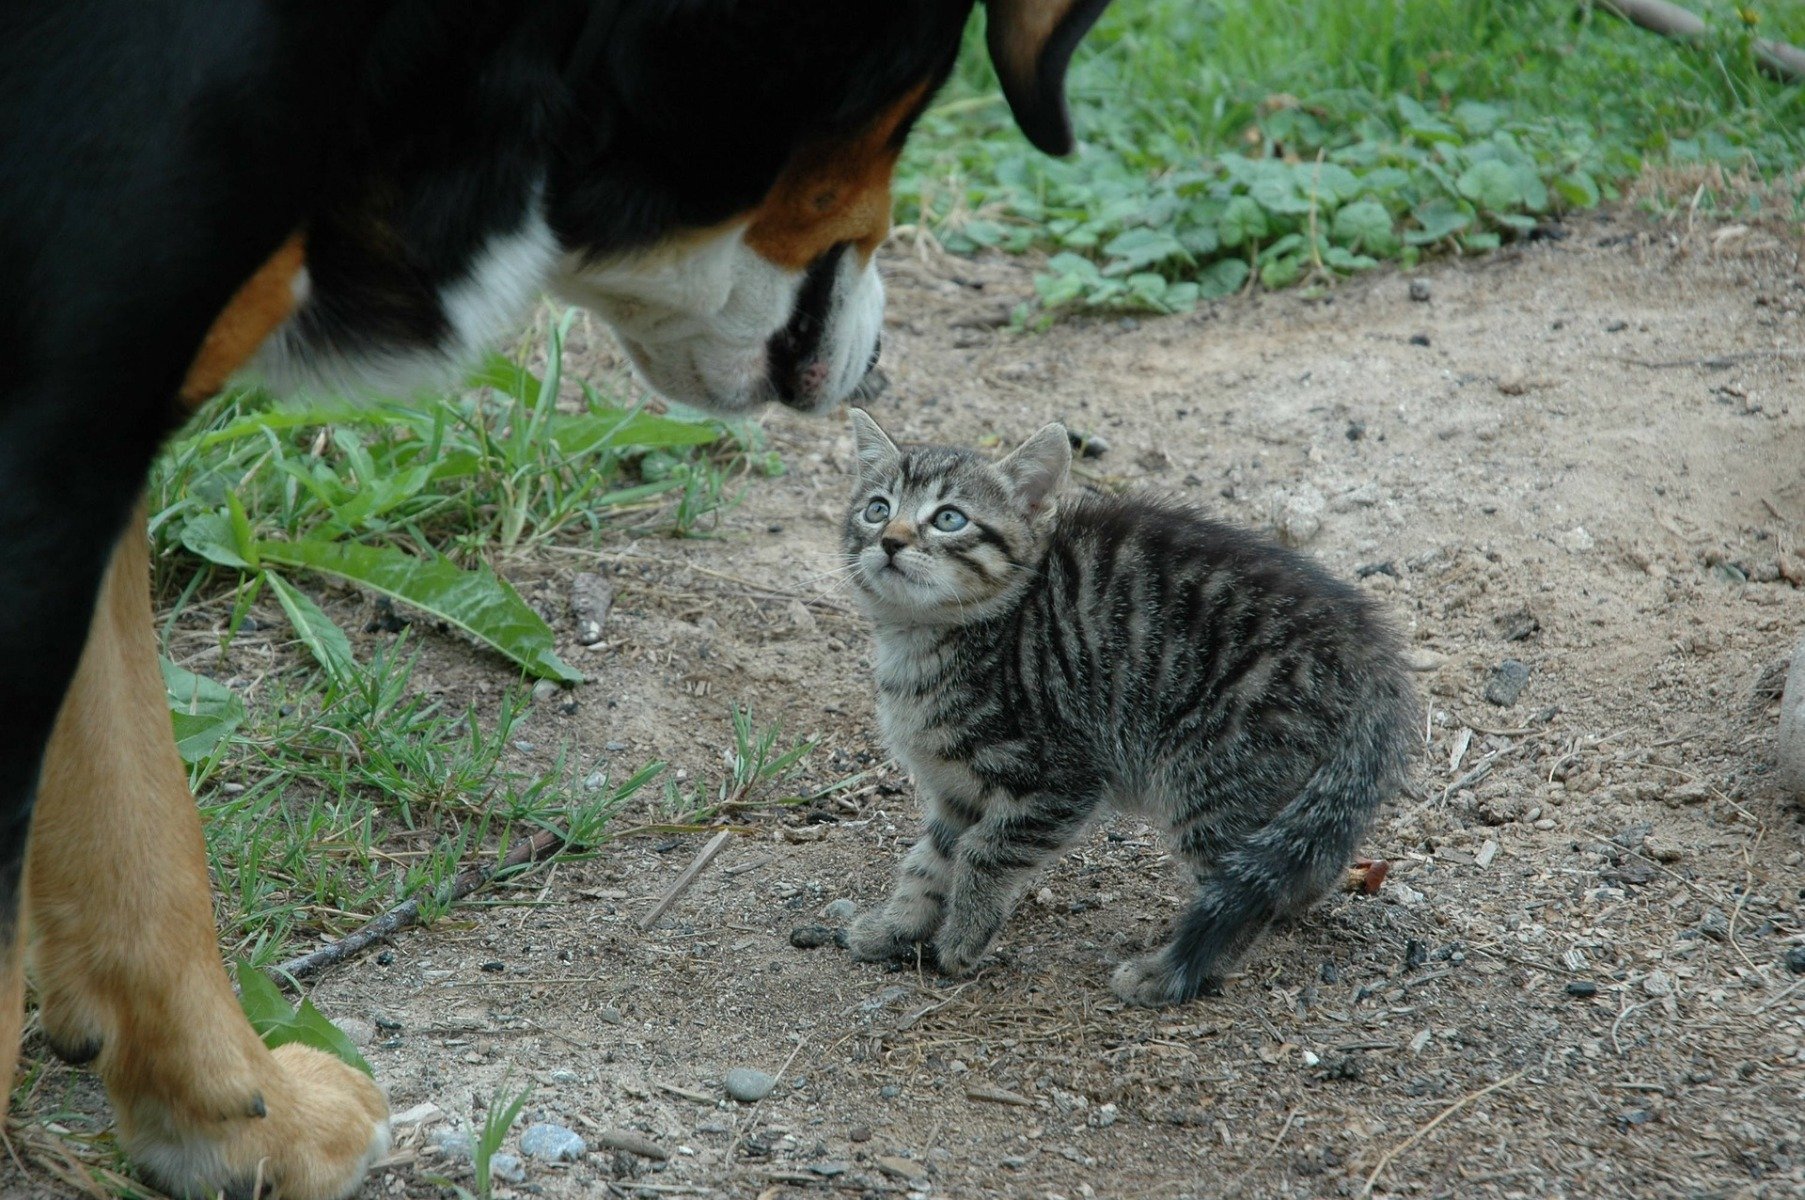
(939, 535)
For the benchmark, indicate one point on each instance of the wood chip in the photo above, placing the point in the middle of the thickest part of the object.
(997, 1095)
(1367, 875)
(631, 1143)
(1486, 854)
(901, 1168)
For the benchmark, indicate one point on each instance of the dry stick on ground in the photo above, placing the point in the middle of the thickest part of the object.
(702, 859)
(1680, 25)
(535, 848)
(1419, 1135)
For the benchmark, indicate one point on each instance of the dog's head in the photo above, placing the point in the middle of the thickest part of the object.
(723, 181)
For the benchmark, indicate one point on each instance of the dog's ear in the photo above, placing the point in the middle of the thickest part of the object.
(1031, 42)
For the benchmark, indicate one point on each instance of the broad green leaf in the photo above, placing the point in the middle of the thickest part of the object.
(585, 433)
(1492, 185)
(478, 602)
(204, 712)
(1577, 188)
(317, 631)
(1439, 218)
(1224, 277)
(1242, 221)
(1365, 225)
(243, 540)
(1140, 248)
(210, 536)
(278, 1024)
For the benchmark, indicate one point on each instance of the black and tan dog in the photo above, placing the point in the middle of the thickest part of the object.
(343, 193)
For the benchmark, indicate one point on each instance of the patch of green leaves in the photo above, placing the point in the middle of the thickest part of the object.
(1222, 144)
(278, 1023)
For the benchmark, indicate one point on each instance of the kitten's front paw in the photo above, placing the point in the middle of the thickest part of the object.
(957, 954)
(1150, 981)
(881, 937)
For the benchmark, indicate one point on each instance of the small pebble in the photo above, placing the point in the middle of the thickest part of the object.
(545, 689)
(830, 1169)
(1658, 983)
(1508, 680)
(1419, 339)
(1297, 515)
(1795, 960)
(889, 1091)
(859, 1133)
(507, 1167)
(1419, 290)
(1582, 987)
(360, 1031)
(565, 1075)
(1715, 925)
(615, 747)
(455, 1144)
(748, 1086)
(841, 910)
(810, 937)
(552, 1143)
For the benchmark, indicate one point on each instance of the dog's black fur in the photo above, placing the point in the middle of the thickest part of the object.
(154, 152)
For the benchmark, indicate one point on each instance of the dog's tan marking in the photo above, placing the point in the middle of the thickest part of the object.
(262, 302)
(119, 922)
(833, 191)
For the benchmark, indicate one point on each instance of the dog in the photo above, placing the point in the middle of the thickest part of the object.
(351, 195)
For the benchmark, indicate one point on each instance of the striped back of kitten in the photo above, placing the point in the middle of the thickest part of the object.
(1041, 658)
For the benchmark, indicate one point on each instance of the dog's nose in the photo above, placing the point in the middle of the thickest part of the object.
(891, 546)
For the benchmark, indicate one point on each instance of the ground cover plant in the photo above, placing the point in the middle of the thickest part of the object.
(1225, 144)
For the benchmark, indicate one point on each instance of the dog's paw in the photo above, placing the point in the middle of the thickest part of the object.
(310, 1131)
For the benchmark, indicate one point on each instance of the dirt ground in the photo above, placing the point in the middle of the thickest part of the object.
(1579, 454)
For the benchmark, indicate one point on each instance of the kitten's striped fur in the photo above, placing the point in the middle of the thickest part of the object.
(1039, 659)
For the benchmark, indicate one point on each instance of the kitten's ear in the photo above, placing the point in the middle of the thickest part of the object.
(878, 455)
(1040, 466)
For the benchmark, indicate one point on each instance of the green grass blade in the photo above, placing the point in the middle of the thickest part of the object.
(478, 602)
(317, 631)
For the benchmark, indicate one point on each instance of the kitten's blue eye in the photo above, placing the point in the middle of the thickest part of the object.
(950, 520)
(877, 511)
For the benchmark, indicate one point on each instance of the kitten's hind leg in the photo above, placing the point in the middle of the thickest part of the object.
(909, 919)
(995, 860)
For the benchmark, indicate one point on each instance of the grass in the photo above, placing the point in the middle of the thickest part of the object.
(331, 787)
(1227, 144)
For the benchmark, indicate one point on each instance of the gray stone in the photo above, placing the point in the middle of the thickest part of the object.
(552, 1143)
(1508, 680)
(1297, 515)
(748, 1086)
(360, 1031)
(830, 1169)
(840, 910)
(1419, 290)
(545, 689)
(507, 1167)
(1715, 925)
(455, 1144)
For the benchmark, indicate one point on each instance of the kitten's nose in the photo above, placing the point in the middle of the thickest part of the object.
(891, 546)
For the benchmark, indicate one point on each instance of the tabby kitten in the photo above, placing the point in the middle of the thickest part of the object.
(1038, 660)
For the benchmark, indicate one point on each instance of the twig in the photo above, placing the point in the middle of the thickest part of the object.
(541, 845)
(695, 868)
(1419, 1135)
(1779, 59)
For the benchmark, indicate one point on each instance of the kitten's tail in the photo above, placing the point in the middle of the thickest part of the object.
(1291, 862)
